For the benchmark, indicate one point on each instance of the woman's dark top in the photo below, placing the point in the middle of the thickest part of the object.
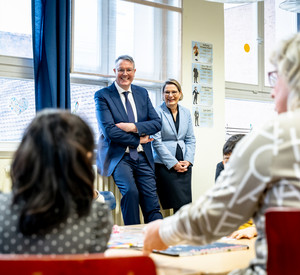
(88, 234)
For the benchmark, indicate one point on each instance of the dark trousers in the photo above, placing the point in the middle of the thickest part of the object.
(136, 182)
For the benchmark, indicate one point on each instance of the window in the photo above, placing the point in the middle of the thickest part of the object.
(17, 107)
(16, 69)
(150, 31)
(15, 28)
(251, 32)
(241, 66)
(143, 30)
(278, 24)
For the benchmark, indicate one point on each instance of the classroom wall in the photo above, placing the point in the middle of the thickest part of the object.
(204, 22)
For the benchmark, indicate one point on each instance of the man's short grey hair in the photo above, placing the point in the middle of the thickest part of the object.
(125, 57)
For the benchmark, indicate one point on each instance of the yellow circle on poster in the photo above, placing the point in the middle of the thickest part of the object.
(247, 48)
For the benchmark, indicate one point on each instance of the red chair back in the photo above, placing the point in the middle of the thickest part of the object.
(91, 264)
(283, 238)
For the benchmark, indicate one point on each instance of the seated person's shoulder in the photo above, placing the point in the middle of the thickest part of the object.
(287, 119)
(100, 209)
(220, 165)
(102, 217)
(5, 198)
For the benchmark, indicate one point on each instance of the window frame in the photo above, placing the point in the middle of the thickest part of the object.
(261, 91)
(16, 67)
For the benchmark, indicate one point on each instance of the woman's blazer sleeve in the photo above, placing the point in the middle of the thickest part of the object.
(160, 149)
(190, 140)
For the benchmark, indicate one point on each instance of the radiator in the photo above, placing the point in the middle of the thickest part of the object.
(108, 184)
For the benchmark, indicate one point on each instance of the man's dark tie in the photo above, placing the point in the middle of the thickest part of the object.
(132, 151)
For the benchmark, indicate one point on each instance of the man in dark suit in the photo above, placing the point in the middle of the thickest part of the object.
(126, 118)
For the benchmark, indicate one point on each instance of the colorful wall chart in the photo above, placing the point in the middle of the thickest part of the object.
(202, 84)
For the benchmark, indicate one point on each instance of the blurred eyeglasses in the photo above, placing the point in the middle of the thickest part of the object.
(173, 93)
(128, 71)
(273, 76)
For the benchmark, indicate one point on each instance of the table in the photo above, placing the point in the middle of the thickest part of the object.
(217, 263)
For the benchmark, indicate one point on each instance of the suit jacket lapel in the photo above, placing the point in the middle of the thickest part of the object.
(115, 96)
(169, 118)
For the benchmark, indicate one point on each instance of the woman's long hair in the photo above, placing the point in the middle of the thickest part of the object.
(52, 171)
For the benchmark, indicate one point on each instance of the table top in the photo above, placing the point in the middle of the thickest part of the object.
(215, 263)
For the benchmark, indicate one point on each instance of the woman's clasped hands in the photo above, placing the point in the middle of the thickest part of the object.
(181, 166)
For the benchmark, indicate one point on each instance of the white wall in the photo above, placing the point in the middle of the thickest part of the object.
(204, 22)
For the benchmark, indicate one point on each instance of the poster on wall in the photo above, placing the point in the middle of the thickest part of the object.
(205, 54)
(206, 116)
(205, 74)
(202, 84)
(203, 116)
(195, 72)
(202, 94)
(202, 52)
(206, 95)
(195, 49)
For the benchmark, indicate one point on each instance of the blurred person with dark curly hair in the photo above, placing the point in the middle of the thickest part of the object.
(51, 208)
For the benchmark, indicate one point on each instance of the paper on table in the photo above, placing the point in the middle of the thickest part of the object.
(126, 237)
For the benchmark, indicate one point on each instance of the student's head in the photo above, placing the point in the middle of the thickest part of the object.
(125, 71)
(229, 146)
(286, 77)
(52, 170)
(172, 92)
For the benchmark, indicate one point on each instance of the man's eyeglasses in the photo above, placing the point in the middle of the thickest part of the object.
(273, 76)
(122, 71)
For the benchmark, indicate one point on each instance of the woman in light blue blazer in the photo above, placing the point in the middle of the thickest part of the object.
(174, 149)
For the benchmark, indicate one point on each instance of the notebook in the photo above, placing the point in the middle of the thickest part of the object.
(190, 250)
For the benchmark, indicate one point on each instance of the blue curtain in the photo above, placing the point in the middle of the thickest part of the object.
(51, 20)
